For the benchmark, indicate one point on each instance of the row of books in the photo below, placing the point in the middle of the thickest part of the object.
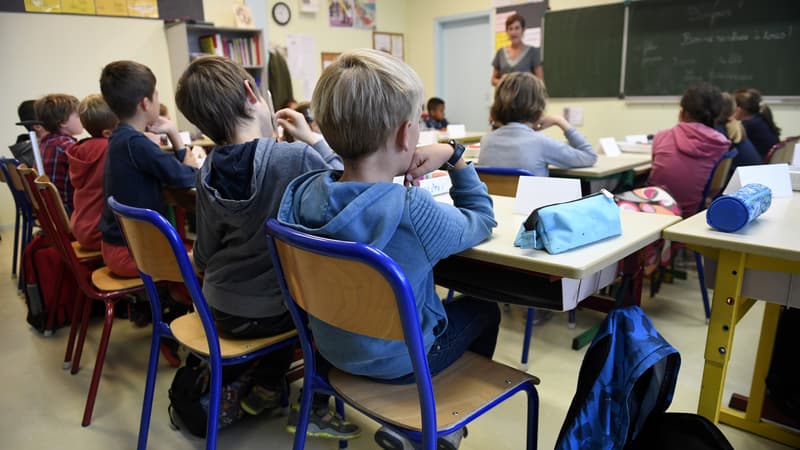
(246, 51)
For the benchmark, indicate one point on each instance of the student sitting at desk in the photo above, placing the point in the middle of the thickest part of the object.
(733, 129)
(362, 204)
(239, 187)
(518, 108)
(137, 169)
(757, 120)
(684, 155)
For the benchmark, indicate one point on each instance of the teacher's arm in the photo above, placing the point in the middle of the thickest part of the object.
(538, 71)
(496, 77)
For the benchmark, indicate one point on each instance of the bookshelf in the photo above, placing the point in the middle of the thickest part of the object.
(188, 41)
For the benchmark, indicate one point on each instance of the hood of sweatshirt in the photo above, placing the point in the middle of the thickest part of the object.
(86, 157)
(698, 140)
(353, 211)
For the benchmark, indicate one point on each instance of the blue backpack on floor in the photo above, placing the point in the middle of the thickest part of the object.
(625, 385)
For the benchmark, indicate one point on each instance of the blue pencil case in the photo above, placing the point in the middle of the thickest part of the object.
(564, 226)
(732, 212)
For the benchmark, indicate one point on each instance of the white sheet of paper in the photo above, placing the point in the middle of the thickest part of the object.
(796, 156)
(456, 131)
(427, 138)
(636, 139)
(774, 176)
(532, 37)
(609, 146)
(533, 192)
(186, 137)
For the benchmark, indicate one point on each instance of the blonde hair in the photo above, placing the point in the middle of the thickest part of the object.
(520, 97)
(362, 98)
(96, 115)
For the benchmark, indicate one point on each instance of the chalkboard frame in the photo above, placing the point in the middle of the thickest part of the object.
(186, 10)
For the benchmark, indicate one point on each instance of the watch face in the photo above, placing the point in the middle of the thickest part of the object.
(281, 13)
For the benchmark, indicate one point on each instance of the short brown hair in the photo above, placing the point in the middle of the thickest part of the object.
(54, 109)
(515, 18)
(124, 84)
(211, 95)
(520, 97)
(96, 116)
(702, 102)
(362, 98)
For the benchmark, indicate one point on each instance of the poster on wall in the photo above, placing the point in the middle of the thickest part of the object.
(143, 8)
(364, 14)
(48, 6)
(340, 13)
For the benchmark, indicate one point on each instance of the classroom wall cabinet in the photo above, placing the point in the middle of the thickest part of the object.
(187, 42)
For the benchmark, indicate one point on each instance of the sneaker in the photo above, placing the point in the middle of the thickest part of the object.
(389, 439)
(324, 423)
(260, 399)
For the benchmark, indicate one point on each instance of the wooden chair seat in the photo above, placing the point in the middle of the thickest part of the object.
(470, 384)
(82, 253)
(188, 330)
(105, 280)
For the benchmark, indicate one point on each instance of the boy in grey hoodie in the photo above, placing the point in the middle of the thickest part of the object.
(239, 186)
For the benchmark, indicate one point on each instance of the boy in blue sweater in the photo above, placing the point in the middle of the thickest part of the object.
(376, 137)
(239, 187)
(137, 170)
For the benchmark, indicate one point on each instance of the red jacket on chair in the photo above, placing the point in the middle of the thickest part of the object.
(87, 159)
(683, 157)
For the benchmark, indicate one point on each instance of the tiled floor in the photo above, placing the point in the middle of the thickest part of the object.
(43, 404)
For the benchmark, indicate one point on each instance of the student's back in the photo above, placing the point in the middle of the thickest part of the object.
(757, 119)
(760, 134)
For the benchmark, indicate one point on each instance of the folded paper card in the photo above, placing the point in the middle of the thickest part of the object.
(609, 146)
(733, 211)
(564, 226)
(456, 131)
(426, 138)
(773, 176)
(533, 192)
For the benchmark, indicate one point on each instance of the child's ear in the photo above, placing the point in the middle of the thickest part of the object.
(107, 133)
(403, 135)
(252, 97)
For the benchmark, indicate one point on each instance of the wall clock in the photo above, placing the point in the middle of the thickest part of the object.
(281, 13)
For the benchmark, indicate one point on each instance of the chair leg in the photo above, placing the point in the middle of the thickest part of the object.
(215, 395)
(306, 395)
(526, 340)
(149, 388)
(16, 245)
(76, 360)
(701, 276)
(571, 319)
(74, 323)
(98, 364)
(533, 417)
(340, 410)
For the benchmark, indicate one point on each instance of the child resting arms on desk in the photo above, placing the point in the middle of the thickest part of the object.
(518, 110)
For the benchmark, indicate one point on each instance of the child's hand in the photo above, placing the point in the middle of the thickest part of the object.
(295, 124)
(190, 159)
(427, 159)
(162, 125)
(548, 121)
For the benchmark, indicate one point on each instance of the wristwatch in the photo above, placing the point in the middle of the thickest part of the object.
(458, 150)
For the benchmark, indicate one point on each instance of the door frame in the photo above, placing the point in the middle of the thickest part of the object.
(438, 38)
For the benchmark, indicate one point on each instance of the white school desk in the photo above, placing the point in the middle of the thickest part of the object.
(770, 243)
(605, 167)
(468, 272)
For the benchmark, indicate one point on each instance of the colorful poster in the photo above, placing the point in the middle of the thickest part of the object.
(340, 13)
(364, 14)
(111, 7)
(48, 6)
(77, 6)
(143, 8)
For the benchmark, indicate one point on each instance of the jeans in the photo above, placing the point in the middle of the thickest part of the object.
(472, 325)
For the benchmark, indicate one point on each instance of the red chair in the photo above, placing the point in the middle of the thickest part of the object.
(99, 284)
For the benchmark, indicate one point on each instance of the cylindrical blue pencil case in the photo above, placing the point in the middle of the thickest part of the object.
(732, 212)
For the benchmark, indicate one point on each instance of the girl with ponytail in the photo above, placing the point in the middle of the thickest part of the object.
(757, 120)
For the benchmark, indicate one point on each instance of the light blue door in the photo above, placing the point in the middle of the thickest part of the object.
(464, 54)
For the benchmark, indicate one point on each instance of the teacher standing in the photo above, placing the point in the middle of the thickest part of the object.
(516, 57)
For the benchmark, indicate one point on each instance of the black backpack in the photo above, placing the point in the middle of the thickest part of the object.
(189, 395)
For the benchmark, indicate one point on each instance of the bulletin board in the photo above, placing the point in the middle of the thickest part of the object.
(187, 10)
(391, 43)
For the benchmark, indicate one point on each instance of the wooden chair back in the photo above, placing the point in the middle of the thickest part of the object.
(150, 249)
(501, 180)
(782, 152)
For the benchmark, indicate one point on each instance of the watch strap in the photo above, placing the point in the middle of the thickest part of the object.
(458, 151)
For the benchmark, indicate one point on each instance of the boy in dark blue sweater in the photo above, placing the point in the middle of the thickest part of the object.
(137, 169)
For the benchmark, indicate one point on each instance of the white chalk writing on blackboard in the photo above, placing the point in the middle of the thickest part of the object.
(696, 14)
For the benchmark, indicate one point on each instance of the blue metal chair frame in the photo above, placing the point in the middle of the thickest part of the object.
(380, 262)
(162, 329)
(531, 313)
(23, 217)
(698, 258)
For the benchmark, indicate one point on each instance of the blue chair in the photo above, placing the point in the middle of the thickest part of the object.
(503, 181)
(714, 186)
(24, 218)
(358, 288)
(160, 255)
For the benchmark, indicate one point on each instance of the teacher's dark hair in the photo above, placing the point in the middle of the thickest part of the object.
(515, 18)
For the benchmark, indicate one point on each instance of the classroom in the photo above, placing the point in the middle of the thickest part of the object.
(450, 45)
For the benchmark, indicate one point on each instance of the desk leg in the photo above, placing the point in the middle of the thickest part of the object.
(724, 313)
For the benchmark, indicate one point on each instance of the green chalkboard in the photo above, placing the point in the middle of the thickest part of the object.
(583, 51)
(729, 43)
